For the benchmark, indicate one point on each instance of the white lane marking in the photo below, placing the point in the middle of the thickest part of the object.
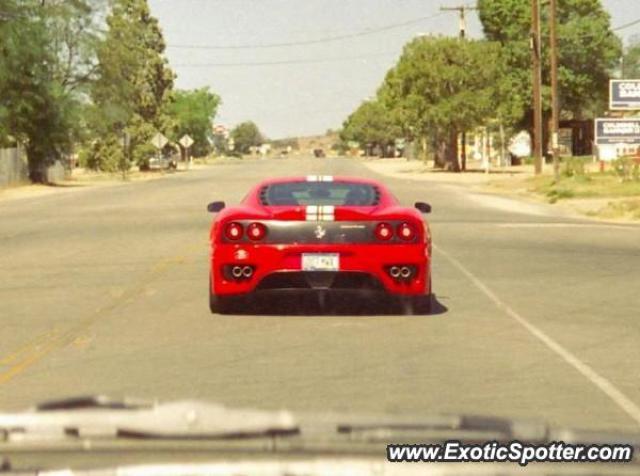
(596, 379)
(567, 225)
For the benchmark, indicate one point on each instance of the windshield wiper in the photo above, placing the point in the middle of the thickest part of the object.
(104, 419)
(528, 430)
(99, 416)
(472, 427)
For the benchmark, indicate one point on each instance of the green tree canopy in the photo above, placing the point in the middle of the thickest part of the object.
(46, 58)
(631, 60)
(133, 91)
(193, 113)
(442, 86)
(246, 135)
(588, 51)
(371, 125)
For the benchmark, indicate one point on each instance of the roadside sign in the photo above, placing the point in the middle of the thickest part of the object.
(159, 141)
(624, 94)
(617, 131)
(186, 141)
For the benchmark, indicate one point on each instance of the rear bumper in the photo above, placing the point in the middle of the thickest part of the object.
(362, 268)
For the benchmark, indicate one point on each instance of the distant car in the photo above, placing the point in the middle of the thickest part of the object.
(163, 163)
(320, 234)
(318, 153)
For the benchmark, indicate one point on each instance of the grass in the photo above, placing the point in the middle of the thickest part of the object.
(612, 194)
(597, 185)
(619, 209)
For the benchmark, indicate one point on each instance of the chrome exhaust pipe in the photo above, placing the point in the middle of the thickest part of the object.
(236, 272)
(394, 271)
(405, 272)
(247, 271)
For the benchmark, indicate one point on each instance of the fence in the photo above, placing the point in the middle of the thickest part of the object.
(13, 167)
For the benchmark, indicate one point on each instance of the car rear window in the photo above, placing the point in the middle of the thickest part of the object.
(320, 193)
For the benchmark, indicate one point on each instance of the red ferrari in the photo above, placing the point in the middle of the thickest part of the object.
(320, 234)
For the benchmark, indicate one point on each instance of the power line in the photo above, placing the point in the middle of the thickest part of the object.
(329, 39)
(329, 60)
(326, 39)
(283, 62)
(627, 25)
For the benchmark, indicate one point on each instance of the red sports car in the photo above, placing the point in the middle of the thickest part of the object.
(320, 234)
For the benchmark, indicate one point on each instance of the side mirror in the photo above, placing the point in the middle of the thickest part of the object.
(215, 207)
(423, 207)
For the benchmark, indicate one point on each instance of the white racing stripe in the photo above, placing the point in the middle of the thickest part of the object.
(320, 213)
(319, 178)
(595, 378)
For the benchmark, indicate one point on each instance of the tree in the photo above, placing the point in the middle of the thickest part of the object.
(192, 113)
(74, 28)
(442, 86)
(588, 51)
(372, 126)
(245, 136)
(45, 57)
(133, 91)
(631, 59)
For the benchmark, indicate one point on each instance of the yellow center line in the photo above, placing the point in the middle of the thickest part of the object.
(34, 344)
(28, 355)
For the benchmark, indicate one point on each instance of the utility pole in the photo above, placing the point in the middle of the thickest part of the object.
(555, 93)
(462, 10)
(537, 85)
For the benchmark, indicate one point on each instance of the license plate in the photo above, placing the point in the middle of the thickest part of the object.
(320, 261)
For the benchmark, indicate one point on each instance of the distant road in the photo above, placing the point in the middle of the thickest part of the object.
(105, 291)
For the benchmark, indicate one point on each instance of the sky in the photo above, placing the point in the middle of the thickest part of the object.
(297, 90)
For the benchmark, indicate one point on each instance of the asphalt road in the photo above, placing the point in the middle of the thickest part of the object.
(105, 291)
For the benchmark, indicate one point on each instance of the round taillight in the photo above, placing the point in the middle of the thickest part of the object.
(233, 231)
(383, 231)
(406, 231)
(256, 231)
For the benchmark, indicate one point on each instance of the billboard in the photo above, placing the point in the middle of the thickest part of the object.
(624, 94)
(617, 131)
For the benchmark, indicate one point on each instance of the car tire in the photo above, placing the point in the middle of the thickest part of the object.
(417, 305)
(218, 304)
(422, 304)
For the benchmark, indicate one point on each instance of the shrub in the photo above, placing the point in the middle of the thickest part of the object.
(573, 167)
(626, 169)
(556, 194)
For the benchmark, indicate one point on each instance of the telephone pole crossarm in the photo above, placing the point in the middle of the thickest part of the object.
(462, 10)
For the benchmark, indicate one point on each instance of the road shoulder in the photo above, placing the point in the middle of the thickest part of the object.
(83, 179)
(507, 187)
